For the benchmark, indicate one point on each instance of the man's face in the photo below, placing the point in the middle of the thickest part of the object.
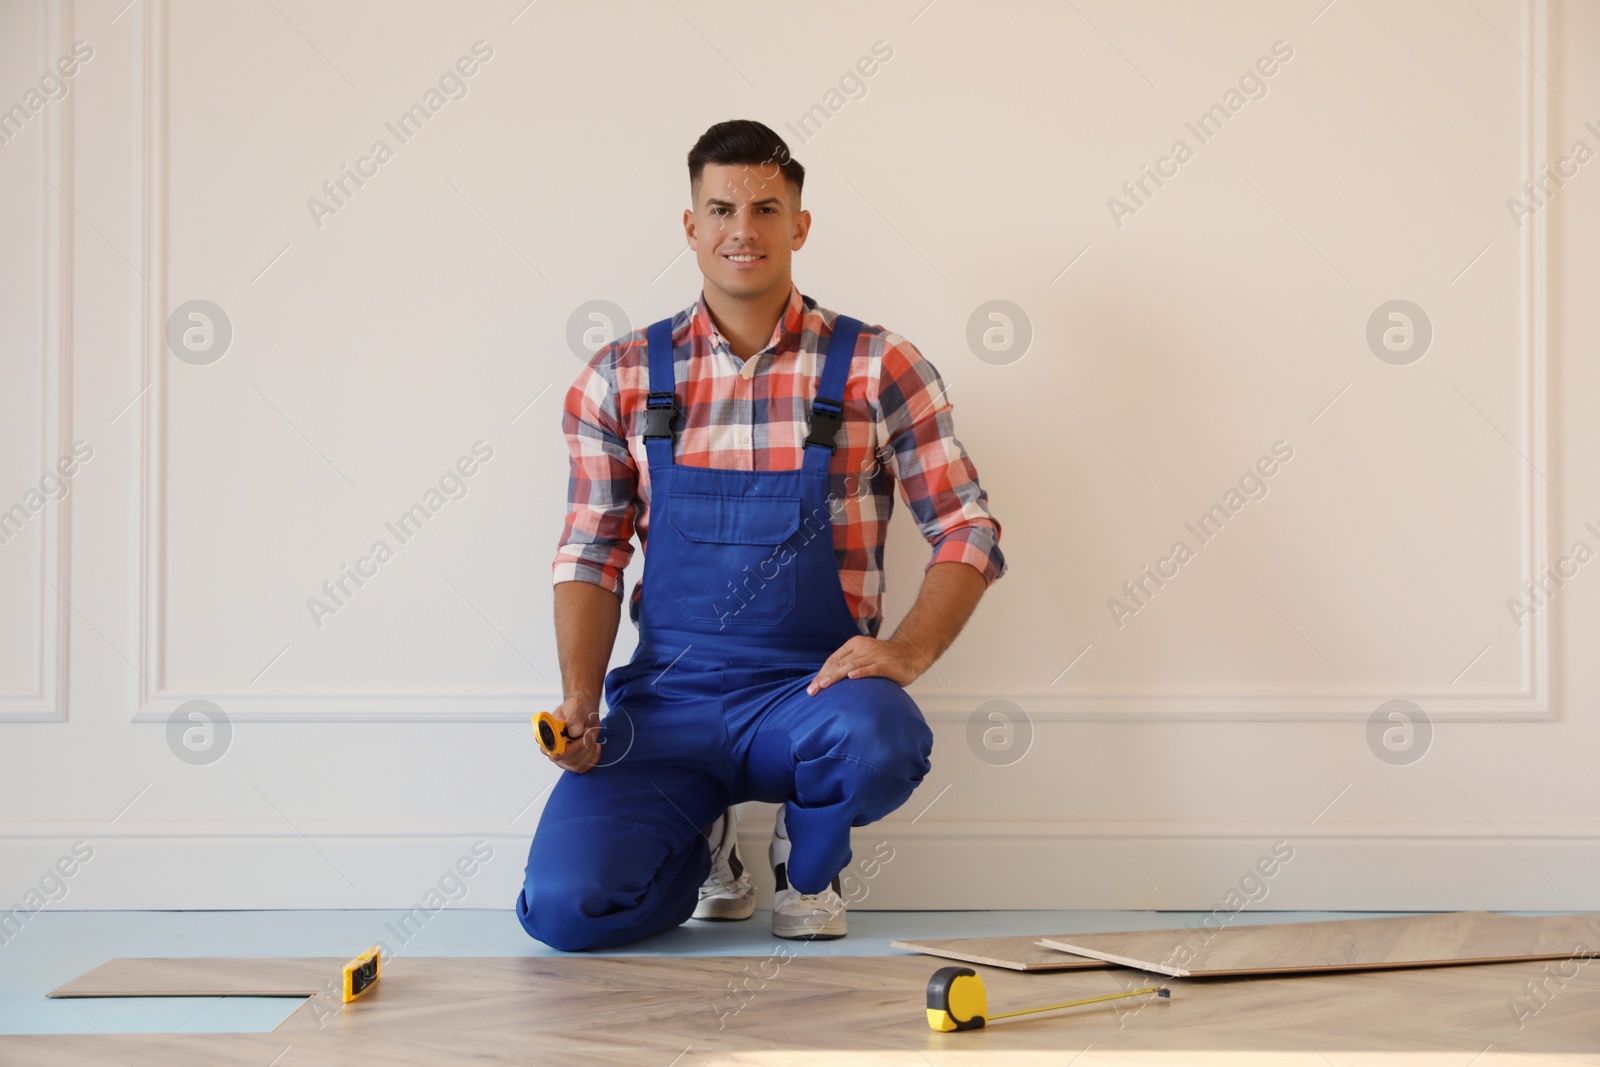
(745, 223)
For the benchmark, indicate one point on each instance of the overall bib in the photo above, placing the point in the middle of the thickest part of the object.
(741, 606)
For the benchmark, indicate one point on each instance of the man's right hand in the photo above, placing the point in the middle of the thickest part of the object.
(582, 718)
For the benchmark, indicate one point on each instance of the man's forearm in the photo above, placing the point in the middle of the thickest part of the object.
(586, 628)
(949, 593)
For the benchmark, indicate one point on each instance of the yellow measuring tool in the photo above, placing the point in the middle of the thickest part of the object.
(361, 974)
(957, 1000)
(552, 733)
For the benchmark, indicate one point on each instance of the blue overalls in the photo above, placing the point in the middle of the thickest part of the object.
(740, 607)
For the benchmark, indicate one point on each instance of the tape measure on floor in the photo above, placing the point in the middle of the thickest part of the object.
(957, 1000)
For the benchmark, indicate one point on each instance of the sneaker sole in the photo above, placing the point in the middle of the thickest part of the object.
(808, 936)
(797, 929)
(723, 910)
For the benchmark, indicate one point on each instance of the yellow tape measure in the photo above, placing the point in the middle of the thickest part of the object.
(957, 1000)
(552, 733)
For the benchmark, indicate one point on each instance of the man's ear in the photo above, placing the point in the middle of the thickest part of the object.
(802, 227)
(688, 226)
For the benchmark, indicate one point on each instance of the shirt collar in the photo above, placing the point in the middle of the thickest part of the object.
(789, 326)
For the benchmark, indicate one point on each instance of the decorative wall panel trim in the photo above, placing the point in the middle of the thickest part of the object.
(46, 700)
(1530, 701)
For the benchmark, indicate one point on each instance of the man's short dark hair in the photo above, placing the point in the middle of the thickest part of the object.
(748, 142)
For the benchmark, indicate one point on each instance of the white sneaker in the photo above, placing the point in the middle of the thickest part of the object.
(728, 893)
(801, 916)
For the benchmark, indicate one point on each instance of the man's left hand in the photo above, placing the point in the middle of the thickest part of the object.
(868, 657)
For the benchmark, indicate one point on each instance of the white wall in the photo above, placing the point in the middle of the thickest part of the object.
(1154, 756)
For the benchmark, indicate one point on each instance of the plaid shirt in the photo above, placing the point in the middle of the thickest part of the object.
(754, 415)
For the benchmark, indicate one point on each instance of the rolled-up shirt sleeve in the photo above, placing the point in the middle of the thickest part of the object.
(937, 480)
(602, 484)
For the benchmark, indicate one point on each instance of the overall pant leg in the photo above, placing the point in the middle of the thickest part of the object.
(845, 757)
(620, 851)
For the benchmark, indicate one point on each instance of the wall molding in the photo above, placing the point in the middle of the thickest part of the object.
(938, 706)
(755, 832)
(957, 865)
(47, 700)
(152, 406)
(1532, 701)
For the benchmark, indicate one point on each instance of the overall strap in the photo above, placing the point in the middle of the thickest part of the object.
(660, 405)
(827, 410)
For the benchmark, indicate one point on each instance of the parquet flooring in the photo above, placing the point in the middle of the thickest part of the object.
(828, 1011)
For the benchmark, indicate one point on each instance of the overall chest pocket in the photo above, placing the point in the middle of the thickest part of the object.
(740, 560)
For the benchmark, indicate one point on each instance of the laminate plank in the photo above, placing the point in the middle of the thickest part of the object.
(1014, 953)
(204, 977)
(1427, 940)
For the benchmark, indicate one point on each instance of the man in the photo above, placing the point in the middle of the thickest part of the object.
(754, 441)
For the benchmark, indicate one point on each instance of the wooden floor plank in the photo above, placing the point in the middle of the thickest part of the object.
(1424, 940)
(204, 977)
(1014, 953)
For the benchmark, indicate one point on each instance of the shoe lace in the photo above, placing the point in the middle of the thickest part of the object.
(824, 899)
(726, 866)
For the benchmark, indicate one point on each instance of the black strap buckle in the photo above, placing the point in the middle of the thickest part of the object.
(659, 410)
(824, 425)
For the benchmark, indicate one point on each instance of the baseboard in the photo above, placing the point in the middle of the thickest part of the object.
(896, 865)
